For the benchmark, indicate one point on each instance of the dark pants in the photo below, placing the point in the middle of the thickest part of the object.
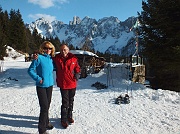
(44, 96)
(67, 103)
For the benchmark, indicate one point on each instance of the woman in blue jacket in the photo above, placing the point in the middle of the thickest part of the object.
(41, 70)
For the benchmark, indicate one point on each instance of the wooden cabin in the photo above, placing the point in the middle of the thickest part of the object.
(89, 62)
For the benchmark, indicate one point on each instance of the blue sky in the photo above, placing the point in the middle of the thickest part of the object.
(65, 10)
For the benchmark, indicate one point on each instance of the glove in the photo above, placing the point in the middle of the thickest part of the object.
(77, 76)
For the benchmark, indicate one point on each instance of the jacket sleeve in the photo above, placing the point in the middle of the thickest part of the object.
(77, 68)
(32, 70)
(77, 71)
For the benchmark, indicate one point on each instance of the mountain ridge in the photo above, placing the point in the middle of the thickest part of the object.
(108, 34)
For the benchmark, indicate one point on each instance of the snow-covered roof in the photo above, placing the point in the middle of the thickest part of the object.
(83, 52)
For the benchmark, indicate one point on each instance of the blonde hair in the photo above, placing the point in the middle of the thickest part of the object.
(47, 44)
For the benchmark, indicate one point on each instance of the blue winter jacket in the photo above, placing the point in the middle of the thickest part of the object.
(42, 69)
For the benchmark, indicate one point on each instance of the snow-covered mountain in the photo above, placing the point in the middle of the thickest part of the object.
(108, 34)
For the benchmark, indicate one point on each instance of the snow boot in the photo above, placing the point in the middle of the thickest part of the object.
(49, 126)
(71, 120)
(64, 124)
(126, 99)
(64, 113)
(122, 100)
(70, 109)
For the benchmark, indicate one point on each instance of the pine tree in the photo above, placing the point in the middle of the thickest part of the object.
(14, 33)
(56, 42)
(30, 42)
(17, 31)
(71, 47)
(160, 20)
(3, 33)
(37, 40)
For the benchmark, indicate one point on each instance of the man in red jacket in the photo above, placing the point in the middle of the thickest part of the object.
(67, 74)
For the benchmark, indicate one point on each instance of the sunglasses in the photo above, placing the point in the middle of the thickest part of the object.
(46, 48)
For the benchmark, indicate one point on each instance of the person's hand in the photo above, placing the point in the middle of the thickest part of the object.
(77, 76)
(41, 81)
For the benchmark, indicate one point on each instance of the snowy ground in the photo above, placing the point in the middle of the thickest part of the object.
(149, 112)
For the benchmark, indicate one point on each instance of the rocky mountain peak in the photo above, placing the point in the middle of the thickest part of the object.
(108, 34)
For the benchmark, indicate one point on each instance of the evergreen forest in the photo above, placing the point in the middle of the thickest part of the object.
(160, 38)
(14, 33)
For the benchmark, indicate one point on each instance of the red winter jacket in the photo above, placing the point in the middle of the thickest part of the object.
(66, 68)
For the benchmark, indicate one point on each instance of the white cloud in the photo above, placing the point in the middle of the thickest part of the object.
(47, 3)
(62, 1)
(46, 16)
(42, 3)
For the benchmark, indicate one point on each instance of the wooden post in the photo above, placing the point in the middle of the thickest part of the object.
(139, 74)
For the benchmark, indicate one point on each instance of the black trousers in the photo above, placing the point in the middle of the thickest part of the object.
(44, 96)
(67, 103)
